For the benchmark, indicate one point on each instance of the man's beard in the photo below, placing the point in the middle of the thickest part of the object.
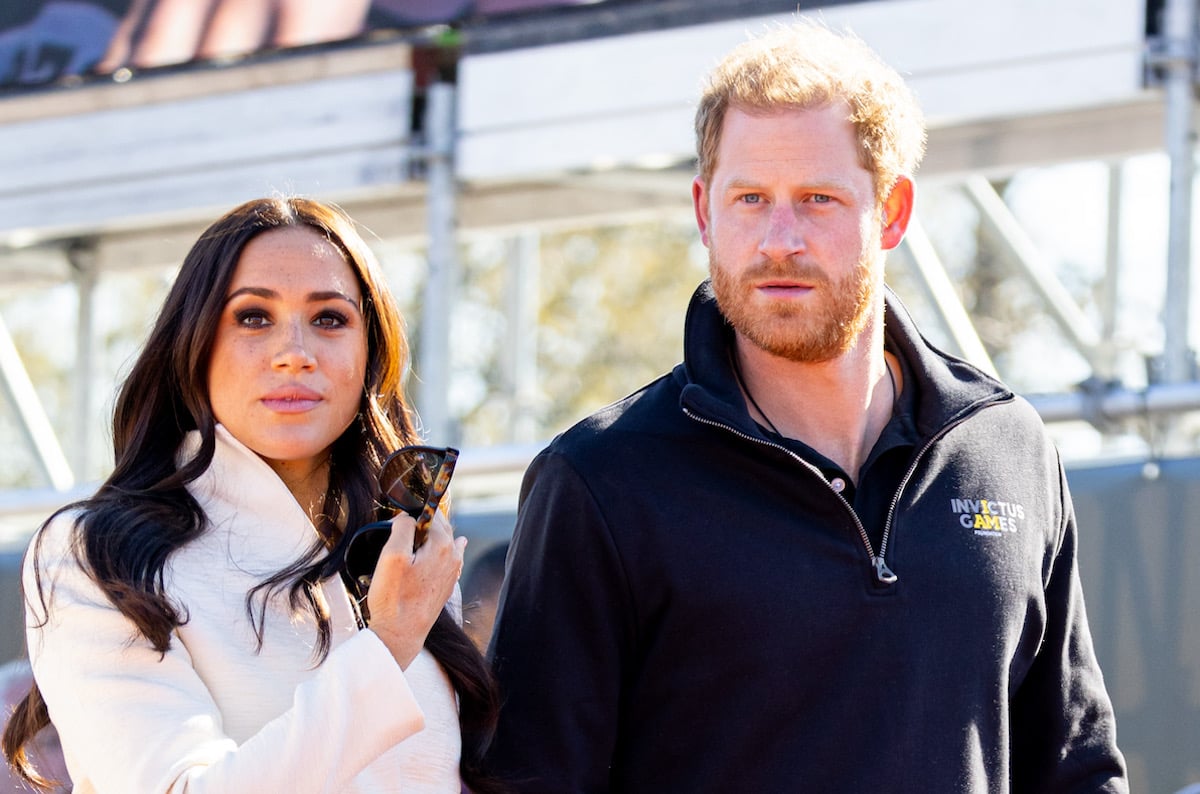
(819, 331)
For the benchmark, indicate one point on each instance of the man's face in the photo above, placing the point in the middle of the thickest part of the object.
(794, 232)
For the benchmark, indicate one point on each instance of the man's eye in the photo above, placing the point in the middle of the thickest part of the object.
(821, 198)
(752, 198)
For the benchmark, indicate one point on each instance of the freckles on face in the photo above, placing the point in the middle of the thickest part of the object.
(288, 362)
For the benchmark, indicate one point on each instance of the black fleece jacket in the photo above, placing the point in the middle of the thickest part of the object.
(690, 607)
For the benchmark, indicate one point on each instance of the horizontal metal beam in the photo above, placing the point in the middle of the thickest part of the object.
(1098, 406)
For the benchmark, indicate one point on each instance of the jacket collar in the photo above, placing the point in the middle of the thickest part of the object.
(253, 517)
(242, 495)
(946, 387)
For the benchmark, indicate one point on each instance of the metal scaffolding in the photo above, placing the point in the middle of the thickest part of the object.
(1171, 390)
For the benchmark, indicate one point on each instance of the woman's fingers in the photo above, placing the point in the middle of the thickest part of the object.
(410, 588)
(441, 532)
(403, 530)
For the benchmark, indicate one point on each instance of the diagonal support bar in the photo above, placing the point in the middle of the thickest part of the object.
(997, 217)
(946, 301)
(14, 379)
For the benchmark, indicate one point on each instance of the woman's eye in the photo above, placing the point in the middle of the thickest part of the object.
(252, 318)
(330, 319)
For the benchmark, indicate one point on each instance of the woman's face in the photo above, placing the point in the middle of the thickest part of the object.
(290, 353)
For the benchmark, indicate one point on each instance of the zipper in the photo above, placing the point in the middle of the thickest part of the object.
(952, 423)
(883, 574)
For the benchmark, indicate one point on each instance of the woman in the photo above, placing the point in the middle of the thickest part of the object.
(188, 627)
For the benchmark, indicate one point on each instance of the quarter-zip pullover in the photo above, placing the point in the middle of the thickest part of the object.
(693, 606)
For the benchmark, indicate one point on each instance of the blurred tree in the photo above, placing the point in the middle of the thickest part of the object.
(610, 306)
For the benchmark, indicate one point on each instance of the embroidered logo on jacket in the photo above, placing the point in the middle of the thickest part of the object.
(988, 516)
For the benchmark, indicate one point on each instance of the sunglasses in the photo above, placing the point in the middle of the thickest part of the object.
(413, 480)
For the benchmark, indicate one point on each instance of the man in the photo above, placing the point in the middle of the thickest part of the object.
(819, 555)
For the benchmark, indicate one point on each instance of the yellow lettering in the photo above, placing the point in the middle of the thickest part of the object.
(986, 521)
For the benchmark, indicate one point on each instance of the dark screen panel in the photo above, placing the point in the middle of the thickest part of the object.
(44, 42)
(49, 42)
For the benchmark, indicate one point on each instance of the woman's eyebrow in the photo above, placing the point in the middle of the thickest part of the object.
(312, 297)
(328, 295)
(260, 292)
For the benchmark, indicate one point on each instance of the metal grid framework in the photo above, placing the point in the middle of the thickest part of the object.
(423, 177)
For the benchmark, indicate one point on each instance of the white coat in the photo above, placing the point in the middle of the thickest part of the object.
(215, 714)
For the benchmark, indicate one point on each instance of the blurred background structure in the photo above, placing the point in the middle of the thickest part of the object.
(525, 167)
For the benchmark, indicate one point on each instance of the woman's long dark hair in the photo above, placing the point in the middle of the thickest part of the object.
(143, 512)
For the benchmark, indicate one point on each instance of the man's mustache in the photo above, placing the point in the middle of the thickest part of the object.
(791, 269)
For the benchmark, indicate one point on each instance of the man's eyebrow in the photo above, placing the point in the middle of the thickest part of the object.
(739, 183)
(823, 183)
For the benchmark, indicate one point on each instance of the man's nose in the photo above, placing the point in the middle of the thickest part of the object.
(782, 234)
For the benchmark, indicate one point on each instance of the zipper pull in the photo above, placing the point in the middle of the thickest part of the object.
(883, 573)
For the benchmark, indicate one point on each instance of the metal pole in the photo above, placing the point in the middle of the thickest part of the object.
(1106, 355)
(1178, 64)
(523, 317)
(83, 267)
(440, 287)
(1155, 402)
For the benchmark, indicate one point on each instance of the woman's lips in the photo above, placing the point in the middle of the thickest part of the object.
(292, 400)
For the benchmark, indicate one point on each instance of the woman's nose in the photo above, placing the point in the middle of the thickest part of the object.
(293, 351)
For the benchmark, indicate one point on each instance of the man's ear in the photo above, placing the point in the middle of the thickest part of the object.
(700, 205)
(896, 211)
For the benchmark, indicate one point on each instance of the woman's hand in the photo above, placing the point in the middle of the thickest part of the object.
(409, 589)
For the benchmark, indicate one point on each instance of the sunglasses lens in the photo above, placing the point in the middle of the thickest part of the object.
(362, 553)
(413, 480)
(408, 478)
